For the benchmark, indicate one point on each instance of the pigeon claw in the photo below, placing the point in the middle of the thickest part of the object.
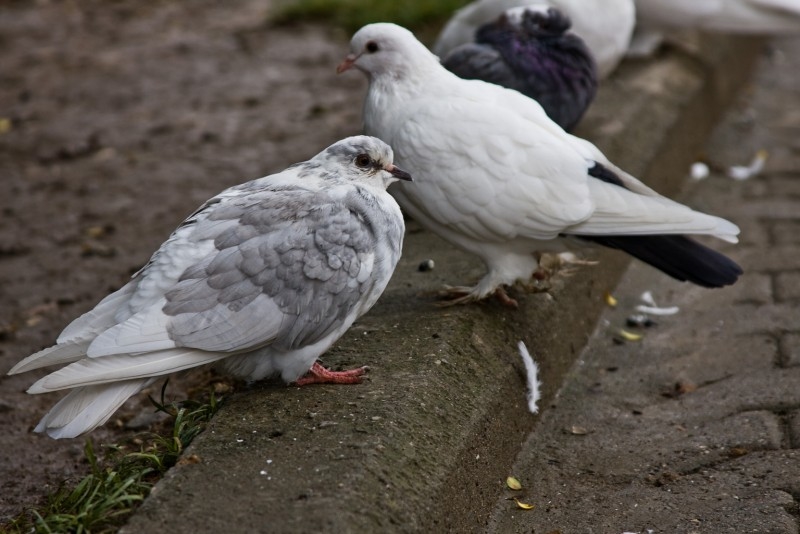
(501, 295)
(465, 295)
(322, 375)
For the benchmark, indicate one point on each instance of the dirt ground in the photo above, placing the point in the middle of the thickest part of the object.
(118, 119)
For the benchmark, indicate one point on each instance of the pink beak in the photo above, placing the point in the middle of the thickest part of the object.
(347, 64)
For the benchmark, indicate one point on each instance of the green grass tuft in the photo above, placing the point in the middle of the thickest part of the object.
(102, 501)
(417, 16)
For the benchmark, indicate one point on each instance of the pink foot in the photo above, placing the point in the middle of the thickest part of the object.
(501, 295)
(322, 375)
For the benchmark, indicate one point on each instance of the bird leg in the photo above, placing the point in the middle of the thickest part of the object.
(322, 375)
(501, 295)
(563, 263)
(465, 295)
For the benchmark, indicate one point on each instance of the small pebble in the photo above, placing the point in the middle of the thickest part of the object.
(640, 319)
(426, 266)
(699, 171)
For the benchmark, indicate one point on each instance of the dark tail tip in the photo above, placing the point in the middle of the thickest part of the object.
(678, 256)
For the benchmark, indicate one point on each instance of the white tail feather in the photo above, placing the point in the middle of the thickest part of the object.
(92, 371)
(57, 354)
(619, 211)
(86, 408)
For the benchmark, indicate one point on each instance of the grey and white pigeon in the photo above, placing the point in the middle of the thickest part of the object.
(263, 278)
(753, 17)
(532, 51)
(605, 25)
(496, 177)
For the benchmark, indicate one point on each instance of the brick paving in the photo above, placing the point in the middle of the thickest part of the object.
(695, 428)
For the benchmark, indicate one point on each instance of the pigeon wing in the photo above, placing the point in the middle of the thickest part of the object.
(289, 272)
(474, 61)
(511, 176)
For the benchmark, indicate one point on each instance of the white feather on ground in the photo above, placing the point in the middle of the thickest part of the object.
(532, 374)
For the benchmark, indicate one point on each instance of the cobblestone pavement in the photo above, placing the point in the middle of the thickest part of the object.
(696, 427)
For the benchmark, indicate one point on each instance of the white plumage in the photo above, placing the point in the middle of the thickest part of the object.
(264, 277)
(496, 177)
(605, 25)
(754, 17)
(735, 16)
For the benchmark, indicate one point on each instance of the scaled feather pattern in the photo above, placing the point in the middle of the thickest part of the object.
(262, 279)
(499, 179)
(606, 26)
(532, 52)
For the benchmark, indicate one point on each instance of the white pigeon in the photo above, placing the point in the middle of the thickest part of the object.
(263, 278)
(605, 26)
(755, 17)
(496, 177)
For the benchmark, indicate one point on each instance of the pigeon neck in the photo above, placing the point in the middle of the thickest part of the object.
(407, 81)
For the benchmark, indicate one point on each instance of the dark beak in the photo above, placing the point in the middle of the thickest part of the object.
(399, 173)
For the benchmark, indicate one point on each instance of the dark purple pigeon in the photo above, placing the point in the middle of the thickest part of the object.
(535, 55)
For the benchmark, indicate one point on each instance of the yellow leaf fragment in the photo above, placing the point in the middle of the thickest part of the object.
(513, 484)
(610, 300)
(5, 125)
(629, 336)
(95, 232)
(523, 505)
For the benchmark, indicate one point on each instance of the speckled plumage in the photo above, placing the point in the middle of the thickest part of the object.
(263, 278)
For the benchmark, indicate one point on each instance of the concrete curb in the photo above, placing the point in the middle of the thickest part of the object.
(421, 445)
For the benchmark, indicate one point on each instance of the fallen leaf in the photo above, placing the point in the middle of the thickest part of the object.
(737, 452)
(524, 506)
(513, 484)
(629, 336)
(189, 460)
(610, 300)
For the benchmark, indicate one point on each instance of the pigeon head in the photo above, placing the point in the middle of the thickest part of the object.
(386, 49)
(554, 22)
(361, 159)
(532, 21)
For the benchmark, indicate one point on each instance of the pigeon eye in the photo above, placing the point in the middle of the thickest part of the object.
(363, 161)
(372, 47)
